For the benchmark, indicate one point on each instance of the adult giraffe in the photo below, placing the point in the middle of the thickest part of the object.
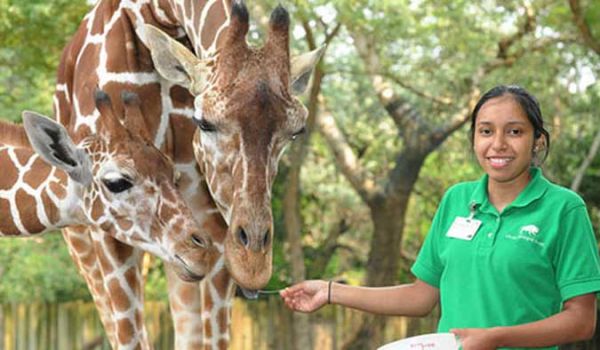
(245, 113)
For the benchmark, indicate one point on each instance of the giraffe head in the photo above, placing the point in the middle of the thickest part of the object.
(118, 181)
(246, 113)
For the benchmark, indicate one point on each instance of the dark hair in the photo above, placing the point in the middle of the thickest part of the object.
(528, 103)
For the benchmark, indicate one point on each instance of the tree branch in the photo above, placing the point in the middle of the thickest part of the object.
(583, 26)
(586, 162)
(344, 156)
(328, 247)
(444, 101)
(407, 118)
(527, 27)
(503, 59)
(539, 46)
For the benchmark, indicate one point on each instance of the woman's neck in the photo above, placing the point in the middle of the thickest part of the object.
(501, 194)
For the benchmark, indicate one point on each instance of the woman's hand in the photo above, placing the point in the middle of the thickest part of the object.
(475, 338)
(306, 296)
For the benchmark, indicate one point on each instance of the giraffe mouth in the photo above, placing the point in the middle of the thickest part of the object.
(187, 274)
(250, 294)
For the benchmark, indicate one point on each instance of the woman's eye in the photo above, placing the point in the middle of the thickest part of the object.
(117, 185)
(298, 133)
(204, 125)
(514, 132)
(485, 131)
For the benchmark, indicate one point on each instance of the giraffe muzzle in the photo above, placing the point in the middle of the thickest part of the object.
(250, 294)
(185, 272)
(256, 243)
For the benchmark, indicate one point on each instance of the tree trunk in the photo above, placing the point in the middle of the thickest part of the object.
(586, 162)
(301, 337)
(388, 215)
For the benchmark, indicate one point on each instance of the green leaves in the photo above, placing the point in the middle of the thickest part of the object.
(32, 36)
(38, 269)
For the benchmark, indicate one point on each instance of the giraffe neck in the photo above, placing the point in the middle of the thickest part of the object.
(217, 292)
(201, 21)
(34, 196)
(106, 52)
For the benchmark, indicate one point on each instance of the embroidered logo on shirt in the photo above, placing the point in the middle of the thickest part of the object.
(532, 230)
(527, 233)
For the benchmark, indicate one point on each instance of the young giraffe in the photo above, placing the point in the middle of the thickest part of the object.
(116, 180)
(245, 114)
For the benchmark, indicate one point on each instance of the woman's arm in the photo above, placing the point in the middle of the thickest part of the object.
(415, 299)
(577, 321)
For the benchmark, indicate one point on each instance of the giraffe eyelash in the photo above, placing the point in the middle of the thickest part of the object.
(204, 125)
(298, 133)
(117, 185)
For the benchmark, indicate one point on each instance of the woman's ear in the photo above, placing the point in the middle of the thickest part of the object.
(540, 150)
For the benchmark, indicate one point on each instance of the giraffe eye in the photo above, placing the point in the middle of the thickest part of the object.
(298, 133)
(204, 125)
(117, 185)
(198, 241)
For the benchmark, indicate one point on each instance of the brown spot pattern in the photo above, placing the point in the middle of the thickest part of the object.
(183, 131)
(23, 155)
(126, 331)
(213, 22)
(26, 206)
(120, 300)
(7, 225)
(97, 210)
(223, 317)
(9, 172)
(38, 174)
(105, 260)
(50, 208)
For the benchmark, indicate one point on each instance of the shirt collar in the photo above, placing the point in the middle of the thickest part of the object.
(535, 189)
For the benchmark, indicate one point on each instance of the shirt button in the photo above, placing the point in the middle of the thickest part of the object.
(490, 235)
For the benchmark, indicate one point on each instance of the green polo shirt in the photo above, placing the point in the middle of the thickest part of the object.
(520, 266)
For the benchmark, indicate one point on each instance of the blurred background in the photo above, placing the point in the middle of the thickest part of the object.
(355, 196)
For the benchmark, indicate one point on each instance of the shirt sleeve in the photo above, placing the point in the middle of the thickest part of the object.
(428, 267)
(576, 258)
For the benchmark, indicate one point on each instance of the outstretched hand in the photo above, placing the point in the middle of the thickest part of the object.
(306, 296)
(475, 338)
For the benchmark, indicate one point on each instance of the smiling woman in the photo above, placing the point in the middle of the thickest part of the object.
(511, 258)
(508, 137)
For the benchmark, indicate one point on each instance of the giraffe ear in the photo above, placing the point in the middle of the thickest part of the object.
(173, 61)
(302, 67)
(51, 141)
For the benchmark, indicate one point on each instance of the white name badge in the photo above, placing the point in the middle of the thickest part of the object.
(464, 228)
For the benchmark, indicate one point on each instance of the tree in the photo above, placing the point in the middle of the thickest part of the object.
(421, 62)
(583, 25)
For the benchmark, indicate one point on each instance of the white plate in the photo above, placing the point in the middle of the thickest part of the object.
(437, 341)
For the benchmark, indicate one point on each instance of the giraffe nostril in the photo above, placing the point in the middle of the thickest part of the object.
(199, 241)
(243, 236)
(266, 238)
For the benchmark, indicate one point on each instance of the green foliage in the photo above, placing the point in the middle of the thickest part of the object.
(38, 269)
(426, 48)
(32, 36)
(156, 282)
(433, 49)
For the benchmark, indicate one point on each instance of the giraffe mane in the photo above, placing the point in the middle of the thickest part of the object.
(13, 135)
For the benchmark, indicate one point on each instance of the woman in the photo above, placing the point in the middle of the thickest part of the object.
(512, 258)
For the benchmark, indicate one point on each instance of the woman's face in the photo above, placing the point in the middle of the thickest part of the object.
(503, 140)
